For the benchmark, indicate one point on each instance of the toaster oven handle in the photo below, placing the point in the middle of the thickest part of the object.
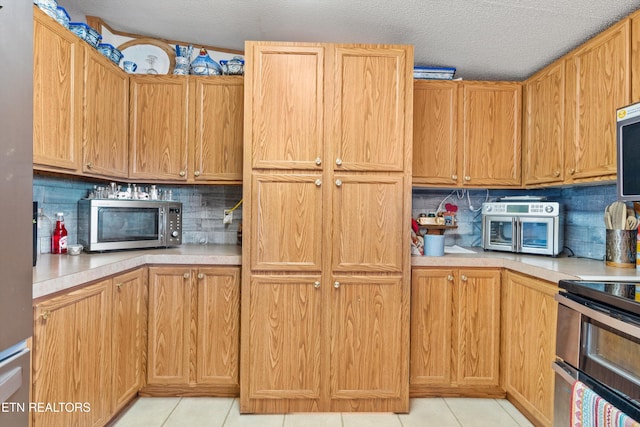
(515, 234)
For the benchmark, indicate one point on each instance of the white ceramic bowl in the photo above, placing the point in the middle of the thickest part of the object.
(74, 249)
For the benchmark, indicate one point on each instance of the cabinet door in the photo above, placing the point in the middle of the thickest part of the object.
(217, 126)
(283, 347)
(367, 220)
(372, 107)
(106, 117)
(57, 95)
(284, 106)
(530, 335)
(544, 126)
(218, 336)
(158, 132)
(287, 222)
(71, 356)
(431, 300)
(435, 113)
(477, 327)
(129, 332)
(170, 299)
(369, 343)
(598, 83)
(490, 131)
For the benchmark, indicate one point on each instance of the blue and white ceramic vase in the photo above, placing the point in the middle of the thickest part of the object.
(203, 65)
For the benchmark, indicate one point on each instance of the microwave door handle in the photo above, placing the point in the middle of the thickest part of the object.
(161, 225)
(514, 234)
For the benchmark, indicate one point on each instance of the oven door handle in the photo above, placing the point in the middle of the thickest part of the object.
(600, 316)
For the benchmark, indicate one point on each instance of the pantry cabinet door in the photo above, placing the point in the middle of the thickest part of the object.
(369, 343)
(287, 222)
(284, 106)
(372, 107)
(217, 126)
(218, 335)
(367, 223)
(106, 118)
(284, 329)
(169, 327)
(158, 131)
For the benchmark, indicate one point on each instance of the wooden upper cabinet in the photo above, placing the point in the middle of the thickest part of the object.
(371, 106)
(217, 128)
(58, 57)
(366, 226)
(489, 121)
(635, 57)
(158, 135)
(287, 225)
(597, 83)
(106, 118)
(285, 105)
(543, 126)
(435, 144)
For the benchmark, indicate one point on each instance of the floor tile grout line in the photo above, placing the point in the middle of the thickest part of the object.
(226, 417)
(452, 412)
(508, 412)
(172, 411)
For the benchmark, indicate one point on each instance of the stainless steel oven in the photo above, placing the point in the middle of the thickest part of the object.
(598, 343)
(533, 227)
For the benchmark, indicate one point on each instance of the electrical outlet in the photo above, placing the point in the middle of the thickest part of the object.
(228, 216)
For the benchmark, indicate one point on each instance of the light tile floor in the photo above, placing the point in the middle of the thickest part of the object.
(219, 412)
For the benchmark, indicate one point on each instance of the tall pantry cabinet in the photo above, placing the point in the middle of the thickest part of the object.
(325, 289)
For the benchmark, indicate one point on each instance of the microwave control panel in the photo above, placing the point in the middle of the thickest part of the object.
(174, 225)
(545, 209)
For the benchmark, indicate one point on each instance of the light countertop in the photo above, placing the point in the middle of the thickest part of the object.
(55, 273)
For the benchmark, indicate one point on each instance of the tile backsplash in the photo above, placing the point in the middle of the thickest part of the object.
(203, 207)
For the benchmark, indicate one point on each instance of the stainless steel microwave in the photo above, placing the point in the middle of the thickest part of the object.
(524, 227)
(113, 224)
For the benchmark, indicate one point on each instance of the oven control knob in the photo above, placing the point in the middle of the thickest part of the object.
(548, 209)
(174, 233)
(489, 208)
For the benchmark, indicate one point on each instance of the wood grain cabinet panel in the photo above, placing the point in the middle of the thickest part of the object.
(597, 83)
(435, 133)
(158, 127)
(106, 118)
(58, 57)
(490, 123)
(529, 345)
(543, 126)
(72, 356)
(455, 332)
(216, 144)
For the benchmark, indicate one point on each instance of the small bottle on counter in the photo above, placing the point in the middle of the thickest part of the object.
(59, 236)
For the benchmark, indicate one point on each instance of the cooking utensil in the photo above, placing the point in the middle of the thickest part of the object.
(607, 220)
(632, 223)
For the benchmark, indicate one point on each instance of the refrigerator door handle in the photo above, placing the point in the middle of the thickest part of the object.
(10, 383)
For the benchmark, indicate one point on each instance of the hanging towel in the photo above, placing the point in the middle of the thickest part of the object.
(588, 409)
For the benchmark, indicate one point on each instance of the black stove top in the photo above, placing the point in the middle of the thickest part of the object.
(621, 295)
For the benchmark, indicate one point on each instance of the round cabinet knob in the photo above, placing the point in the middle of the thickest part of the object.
(336, 284)
(338, 182)
(454, 177)
(450, 278)
(197, 173)
(118, 285)
(572, 171)
(316, 284)
(318, 161)
(467, 178)
(339, 161)
(318, 182)
(200, 276)
(186, 275)
(182, 173)
(174, 233)
(556, 174)
(89, 165)
(45, 315)
(463, 278)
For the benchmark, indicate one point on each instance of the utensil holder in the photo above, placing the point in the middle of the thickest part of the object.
(434, 245)
(621, 248)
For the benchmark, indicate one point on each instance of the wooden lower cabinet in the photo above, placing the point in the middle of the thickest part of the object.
(455, 332)
(88, 351)
(193, 331)
(72, 357)
(530, 316)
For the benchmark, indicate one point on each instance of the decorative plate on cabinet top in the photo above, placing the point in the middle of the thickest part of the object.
(151, 56)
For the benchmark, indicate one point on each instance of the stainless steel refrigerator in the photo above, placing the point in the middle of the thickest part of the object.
(16, 206)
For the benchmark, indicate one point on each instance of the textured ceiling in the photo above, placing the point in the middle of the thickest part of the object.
(483, 39)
